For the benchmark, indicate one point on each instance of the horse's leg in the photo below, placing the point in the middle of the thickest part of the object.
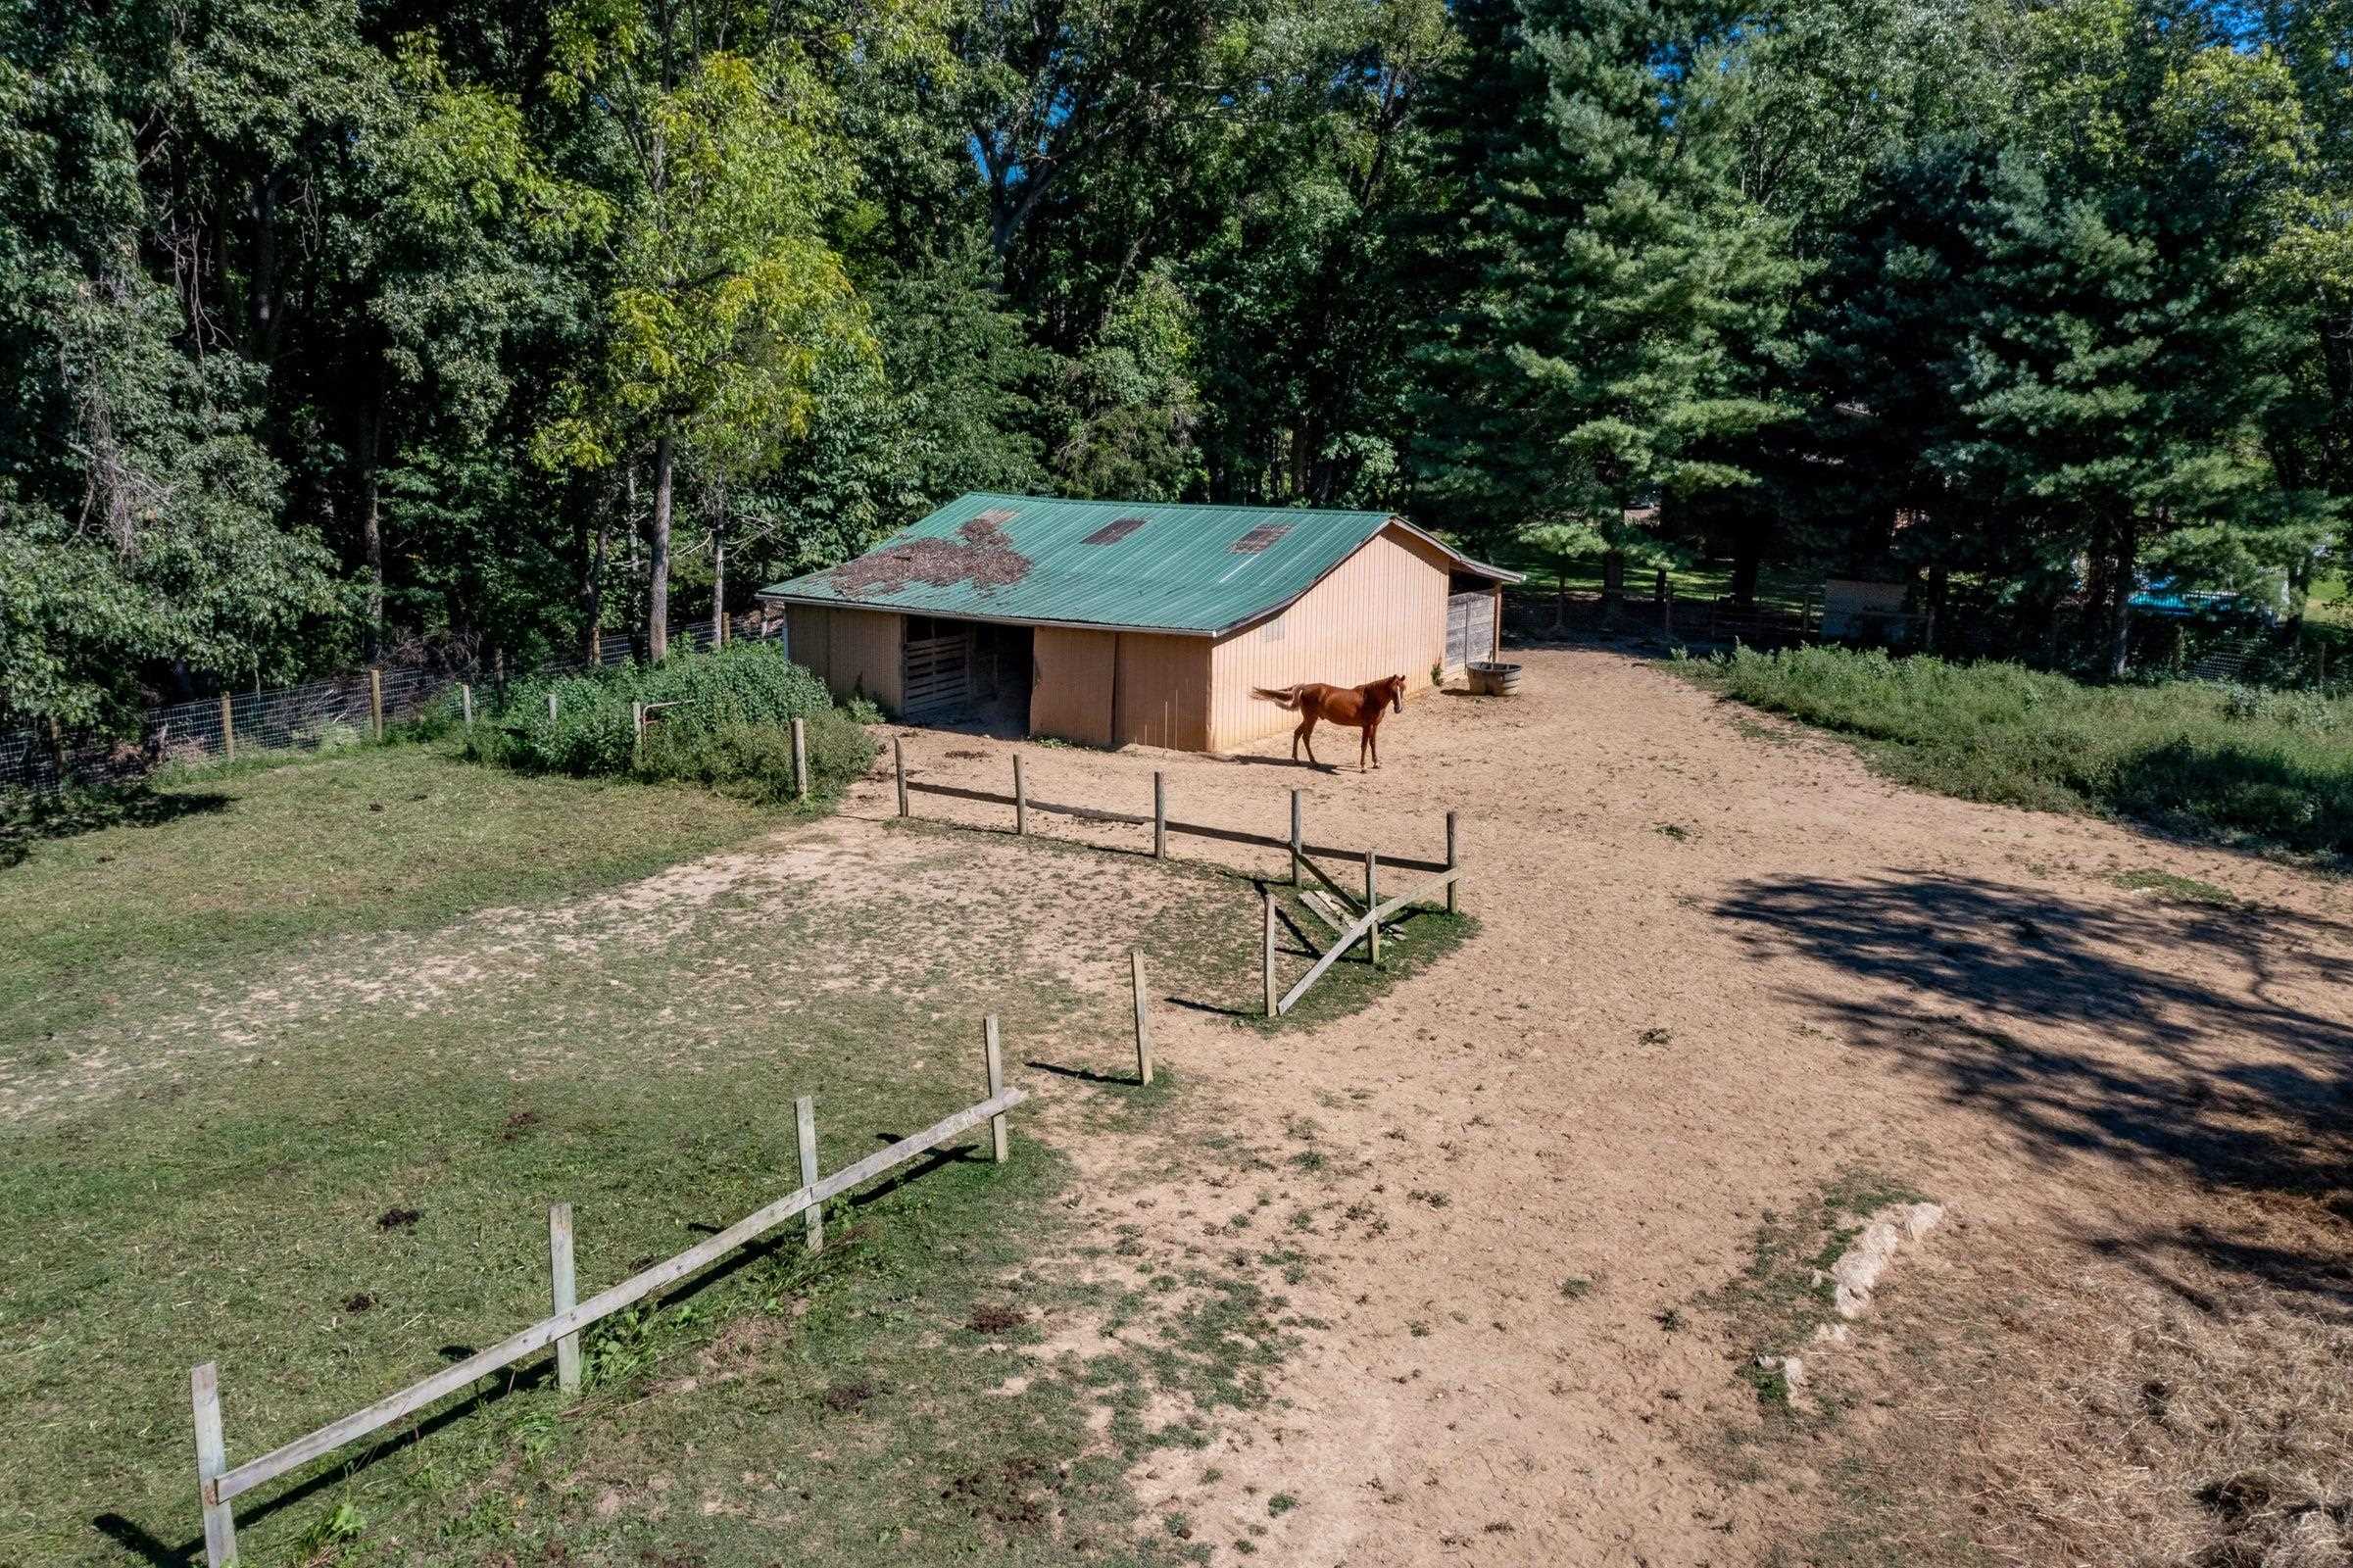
(1372, 739)
(1304, 735)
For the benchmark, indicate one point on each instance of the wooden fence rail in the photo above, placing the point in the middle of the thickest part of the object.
(1368, 928)
(218, 1483)
(1023, 803)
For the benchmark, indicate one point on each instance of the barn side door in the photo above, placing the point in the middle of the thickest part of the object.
(938, 675)
(1470, 629)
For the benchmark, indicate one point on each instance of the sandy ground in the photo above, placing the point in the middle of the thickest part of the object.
(1722, 965)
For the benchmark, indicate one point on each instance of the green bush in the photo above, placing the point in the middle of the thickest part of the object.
(2269, 768)
(724, 720)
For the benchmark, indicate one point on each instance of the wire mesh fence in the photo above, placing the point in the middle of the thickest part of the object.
(319, 715)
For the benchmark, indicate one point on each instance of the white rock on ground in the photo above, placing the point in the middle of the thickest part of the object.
(1856, 1273)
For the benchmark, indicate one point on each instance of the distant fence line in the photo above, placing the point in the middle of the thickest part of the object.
(304, 718)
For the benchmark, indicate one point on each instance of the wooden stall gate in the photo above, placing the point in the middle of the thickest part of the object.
(937, 677)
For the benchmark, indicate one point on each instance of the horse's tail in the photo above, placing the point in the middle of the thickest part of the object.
(1287, 697)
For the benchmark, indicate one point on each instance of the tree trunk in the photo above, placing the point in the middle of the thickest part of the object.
(596, 531)
(658, 567)
(1748, 560)
(371, 521)
(718, 586)
(2123, 558)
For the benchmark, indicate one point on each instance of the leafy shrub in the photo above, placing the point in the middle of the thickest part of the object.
(725, 722)
(2231, 763)
(863, 710)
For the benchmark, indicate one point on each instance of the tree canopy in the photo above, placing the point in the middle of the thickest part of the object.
(331, 329)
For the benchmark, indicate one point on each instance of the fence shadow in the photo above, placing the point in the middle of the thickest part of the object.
(2142, 1069)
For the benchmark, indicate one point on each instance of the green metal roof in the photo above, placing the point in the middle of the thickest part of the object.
(1132, 565)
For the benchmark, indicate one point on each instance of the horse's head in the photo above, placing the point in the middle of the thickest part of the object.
(1395, 693)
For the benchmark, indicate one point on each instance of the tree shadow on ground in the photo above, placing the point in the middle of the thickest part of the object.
(66, 816)
(2082, 1027)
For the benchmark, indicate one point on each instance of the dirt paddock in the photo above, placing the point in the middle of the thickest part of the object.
(1723, 969)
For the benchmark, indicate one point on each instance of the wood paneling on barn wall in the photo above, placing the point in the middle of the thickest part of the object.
(1381, 613)
(853, 651)
(1072, 696)
(1164, 691)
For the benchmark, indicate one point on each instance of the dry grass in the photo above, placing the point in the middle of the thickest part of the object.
(2183, 1405)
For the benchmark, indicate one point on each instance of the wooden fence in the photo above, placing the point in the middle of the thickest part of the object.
(1353, 918)
(218, 1484)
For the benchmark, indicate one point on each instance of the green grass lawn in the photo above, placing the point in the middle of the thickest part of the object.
(289, 1082)
(2261, 769)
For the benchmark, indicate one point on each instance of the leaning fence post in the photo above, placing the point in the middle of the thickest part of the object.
(465, 699)
(1160, 816)
(563, 1294)
(1020, 798)
(994, 1057)
(1297, 835)
(212, 1458)
(805, 1116)
(1135, 966)
(800, 757)
(899, 763)
(1372, 902)
(375, 701)
(1453, 864)
(228, 732)
(1267, 966)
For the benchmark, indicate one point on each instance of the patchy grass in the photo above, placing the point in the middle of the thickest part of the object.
(331, 1074)
(2175, 889)
(116, 897)
(1773, 1307)
(2261, 770)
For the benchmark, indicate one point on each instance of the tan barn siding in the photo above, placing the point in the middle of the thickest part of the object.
(1383, 611)
(1071, 698)
(1164, 691)
(854, 652)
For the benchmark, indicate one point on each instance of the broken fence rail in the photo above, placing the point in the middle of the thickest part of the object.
(220, 1483)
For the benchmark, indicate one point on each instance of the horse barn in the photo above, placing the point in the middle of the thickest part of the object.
(1121, 622)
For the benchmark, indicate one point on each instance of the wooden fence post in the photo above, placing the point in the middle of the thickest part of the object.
(1020, 798)
(637, 732)
(551, 708)
(466, 697)
(375, 701)
(564, 1292)
(1160, 816)
(1453, 862)
(899, 764)
(1267, 965)
(228, 732)
(800, 757)
(1297, 835)
(212, 1458)
(1135, 966)
(805, 1116)
(995, 1059)
(1372, 900)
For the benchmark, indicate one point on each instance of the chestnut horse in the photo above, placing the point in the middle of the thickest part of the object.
(1357, 706)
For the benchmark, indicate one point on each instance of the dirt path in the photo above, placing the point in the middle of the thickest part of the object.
(1722, 965)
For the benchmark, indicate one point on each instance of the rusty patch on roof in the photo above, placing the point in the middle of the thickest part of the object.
(1110, 533)
(1258, 538)
(979, 554)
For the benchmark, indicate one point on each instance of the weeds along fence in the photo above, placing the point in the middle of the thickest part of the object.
(315, 716)
(1353, 916)
(220, 1484)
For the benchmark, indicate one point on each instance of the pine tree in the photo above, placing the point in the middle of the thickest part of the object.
(1601, 266)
